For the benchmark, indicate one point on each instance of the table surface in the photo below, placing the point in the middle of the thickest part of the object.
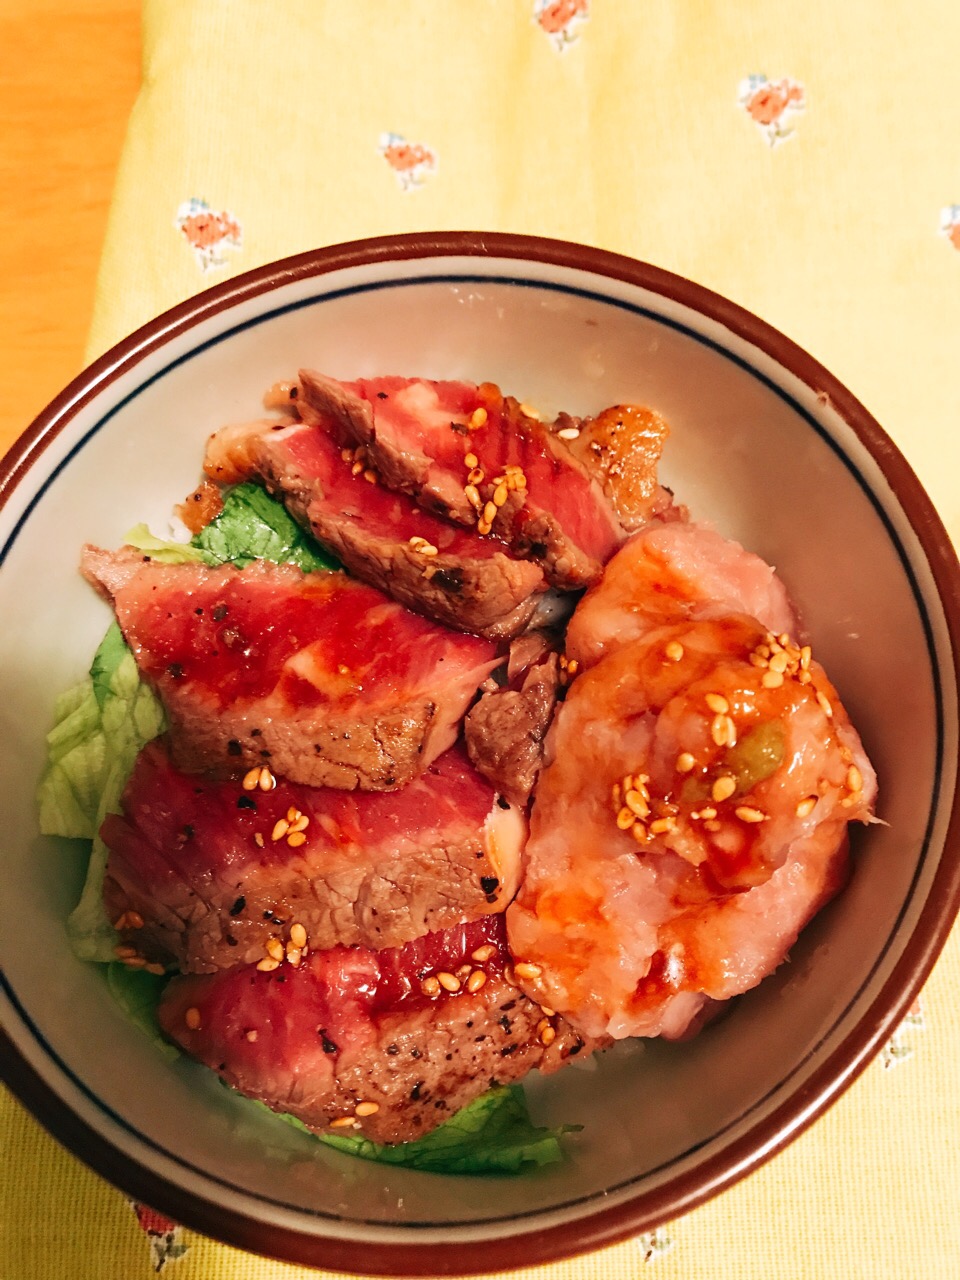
(70, 74)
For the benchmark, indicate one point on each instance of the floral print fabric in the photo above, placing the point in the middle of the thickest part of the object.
(797, 162)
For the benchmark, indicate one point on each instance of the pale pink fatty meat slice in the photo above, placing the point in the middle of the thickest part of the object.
(315, 676)
(419, 435)
(639, 910)
(349, 1037)
(669, 572)
(202, 873)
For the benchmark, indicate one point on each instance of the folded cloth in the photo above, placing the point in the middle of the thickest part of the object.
(803, 163)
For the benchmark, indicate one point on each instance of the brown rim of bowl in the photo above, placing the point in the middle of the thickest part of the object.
(765, 1137)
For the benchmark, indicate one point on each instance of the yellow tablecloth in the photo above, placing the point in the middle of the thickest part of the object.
(803, 160)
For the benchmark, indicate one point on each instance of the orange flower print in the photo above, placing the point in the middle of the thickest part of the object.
(559, 19)
(208, 232)
(410, 161)
(654, 1244)
(772, 105)
(950, 223)
(164, 1235)
(900, 1045)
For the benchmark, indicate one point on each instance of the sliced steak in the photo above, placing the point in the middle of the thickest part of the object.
(505, 730)
(622, 445)
(317, 676)
(383, 537)
(477, 458)
(349, 1037)
(203, 874)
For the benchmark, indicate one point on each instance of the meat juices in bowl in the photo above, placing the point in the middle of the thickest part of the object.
(663, 1124)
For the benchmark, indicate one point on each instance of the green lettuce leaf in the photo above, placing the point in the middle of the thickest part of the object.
(494, 1134)
(164, 550)
(254, 526)
(138, 994)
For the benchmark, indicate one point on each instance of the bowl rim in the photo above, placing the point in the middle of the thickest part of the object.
(764, 1138)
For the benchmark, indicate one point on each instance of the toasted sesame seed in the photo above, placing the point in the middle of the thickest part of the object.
(471, 460)
(478, 418)
(300, 824)
(366, 1109)
(280, 829)
(783, 638)
(520, 480)
(120, 922)
(293, 814)
(430, 987)
(625, 818)
(251, 780)
(674, 650)
(660, 826)
(449, 981)
(572, 666)
(712, 825)
(483, 527)
(267, 781)
(746, 813)
(636, 803)
(758, 660)
(476, 980)
(708, 813)
(192, 1018)
(615, 796)
(343, 1122)
(135, 962)
(568, 433)
(293, 955)
(771, 679)
(850, 800)
(685, 762)
(156, 969)
(274, 948)
(484, 953)
(252, 1036)
(854, 778)
(259, 838)
(356, 468)
(268, 964)
(805, 677)
(717, 703)
(489, 513)
(475, 476)
(346, 455)
(806, 654)
(825, 704)
(779, 662)
(298, 935)
(806, 806)
(463, 972)
(548, 1013)
(528, 411)
(723, 788)
(296, 838)
(640, 833)
(527, 972)
(370, 476)
(473, 495)
(134, 920)
(500, 494)
(723, 731)
(123, 952)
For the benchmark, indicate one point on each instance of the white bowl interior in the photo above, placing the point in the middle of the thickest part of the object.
(752, 449)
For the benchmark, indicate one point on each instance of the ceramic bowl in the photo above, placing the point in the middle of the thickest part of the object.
(765, 444)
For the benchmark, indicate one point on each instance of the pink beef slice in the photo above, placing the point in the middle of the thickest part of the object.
(352, 1026)
(417, 435)
(382, 537)
(199, 874)
(321, 678)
